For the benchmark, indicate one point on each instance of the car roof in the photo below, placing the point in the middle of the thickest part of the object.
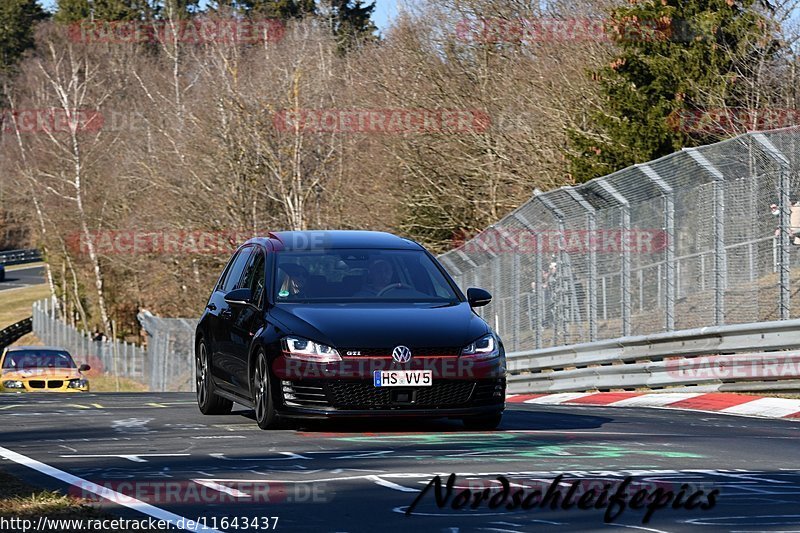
(334, 239)
(37, 348)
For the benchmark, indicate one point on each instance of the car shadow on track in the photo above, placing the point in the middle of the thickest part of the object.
(513, 419)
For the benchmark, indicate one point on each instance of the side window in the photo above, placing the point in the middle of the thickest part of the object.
(236, 269)
(254, 276)
(226, 272)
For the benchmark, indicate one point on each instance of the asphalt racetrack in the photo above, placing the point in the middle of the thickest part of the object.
(362, 476)
(18, 277)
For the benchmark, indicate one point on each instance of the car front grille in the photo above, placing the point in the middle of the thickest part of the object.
(358, 394)
(42, 384)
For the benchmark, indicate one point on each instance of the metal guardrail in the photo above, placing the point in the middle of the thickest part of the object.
(728, 358)
(18, 257)
(14, 332)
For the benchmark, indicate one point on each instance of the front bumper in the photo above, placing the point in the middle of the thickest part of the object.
(360, 398)
(460, 388)
(44, 385)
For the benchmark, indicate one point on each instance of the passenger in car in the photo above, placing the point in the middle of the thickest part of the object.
(295, 282)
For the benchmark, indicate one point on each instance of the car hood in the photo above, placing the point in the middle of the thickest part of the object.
(41, 373)
(382, 325)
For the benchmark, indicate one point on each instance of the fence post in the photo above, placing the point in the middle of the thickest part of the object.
(720, 259)
(591, 226)
(625, 227)
(559, 305)
(784, 260)
(669, 229)
(538, 325)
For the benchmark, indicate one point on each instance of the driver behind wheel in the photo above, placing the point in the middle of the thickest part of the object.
(379, 277)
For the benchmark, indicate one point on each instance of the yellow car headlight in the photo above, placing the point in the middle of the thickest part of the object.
(78, 383)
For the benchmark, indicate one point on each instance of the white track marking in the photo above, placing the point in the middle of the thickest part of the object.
(285, 456)
(103, 492)
(562, 397)
(136, 458)
(772, 407)
(642, 528)
(654, 400)
(388, 484)
(236, 493)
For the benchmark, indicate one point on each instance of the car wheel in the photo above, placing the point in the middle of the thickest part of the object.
(483, 423)
(208, 402)
(262, 394)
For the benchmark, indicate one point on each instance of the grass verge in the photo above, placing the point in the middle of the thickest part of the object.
(17, 303)
(20, 500)
(108, 383)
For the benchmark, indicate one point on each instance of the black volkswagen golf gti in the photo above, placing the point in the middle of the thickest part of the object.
(346, 323)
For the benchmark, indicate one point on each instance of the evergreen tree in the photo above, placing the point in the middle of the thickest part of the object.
(71, 11)
(280, 9)
(17, 21)
(675, 56)
(351, 22)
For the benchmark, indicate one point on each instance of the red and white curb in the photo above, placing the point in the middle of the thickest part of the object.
(713, 402)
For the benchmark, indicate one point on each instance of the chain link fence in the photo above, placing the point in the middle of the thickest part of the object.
(170, 350)
(706, 236)
(113, 357)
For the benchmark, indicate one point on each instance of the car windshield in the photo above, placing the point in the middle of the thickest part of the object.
(360, 275)
(29, 359)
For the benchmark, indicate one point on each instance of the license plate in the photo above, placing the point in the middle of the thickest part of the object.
(403, 378)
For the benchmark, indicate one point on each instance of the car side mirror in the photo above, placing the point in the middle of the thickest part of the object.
(84, 368)
(478, 297)
(239, 297)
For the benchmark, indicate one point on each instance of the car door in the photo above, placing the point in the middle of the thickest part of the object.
(211, 320)
(246, 320)
(222, 366)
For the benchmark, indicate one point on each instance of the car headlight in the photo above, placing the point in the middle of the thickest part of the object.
(482, 349)
(13, 385)
(306, 350)
(77, 383)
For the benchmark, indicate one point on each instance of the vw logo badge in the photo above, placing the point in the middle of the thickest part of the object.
(401, 354)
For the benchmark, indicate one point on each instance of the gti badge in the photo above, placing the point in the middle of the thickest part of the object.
(401, 354)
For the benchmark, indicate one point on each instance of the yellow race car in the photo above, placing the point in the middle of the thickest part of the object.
(41, 369)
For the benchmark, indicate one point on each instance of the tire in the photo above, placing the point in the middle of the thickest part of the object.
(483, 423)
(208, 402)
(263, 401)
